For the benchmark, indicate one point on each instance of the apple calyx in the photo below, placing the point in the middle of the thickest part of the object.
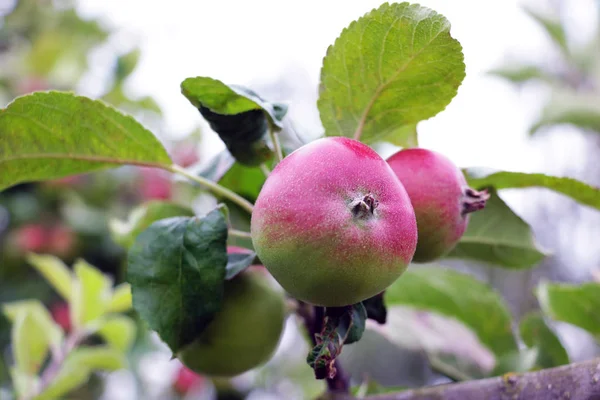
(364, 206)
(474, 200)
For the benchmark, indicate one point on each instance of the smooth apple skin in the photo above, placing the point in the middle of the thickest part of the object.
(245, 332)
(439, 194)
(306, 233)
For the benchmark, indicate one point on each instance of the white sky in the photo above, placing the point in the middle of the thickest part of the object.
(241, 41)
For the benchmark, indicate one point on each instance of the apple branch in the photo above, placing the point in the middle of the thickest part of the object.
(578, 381)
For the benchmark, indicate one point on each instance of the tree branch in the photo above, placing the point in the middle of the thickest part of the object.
(579, 381)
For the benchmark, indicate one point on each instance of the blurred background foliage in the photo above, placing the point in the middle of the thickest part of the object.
(46, 45)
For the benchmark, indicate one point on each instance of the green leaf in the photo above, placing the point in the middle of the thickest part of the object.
(78, 366)
(460, 296)
(497, 236)
(351, 325)
(118, 331)
(574, 304)
(536, 334)
(126, 64)
(92, 292)
(553, 28)
(69, 378)
(237, 262)
(375, 307)
(40, 315)
(25, 384)
(121, 299)
(521, 73)
(238, 115)
(98, 358)
(577, 190)
(572, 108)
(516, 361)
(141, 217)
(176, 269)
(217, 167)
(49, 135)
(390, 69)
(245, 181)
(54, 271)
(341, 325)
(30, 343)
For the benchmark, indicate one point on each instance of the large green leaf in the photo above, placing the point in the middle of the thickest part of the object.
(574, 304)
(536, 334)
(176, 269)
(394, 67)
(49, 135)
(459, 296)
(239, 115)
(141, 217)
(568, 107)
(497, 236)
(577, 190)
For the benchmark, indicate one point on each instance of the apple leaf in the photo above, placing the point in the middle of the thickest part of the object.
(393, 67)
(33, 334)
(78, 367)
(176, 269)
(48, 135)
(92, 293)
(574, 304)
(238, 115)
(126, 64)
(460, 296)
(375, 307)
(521, 73)
(571, 108)
(341, 325)
(577, 190)
(141, 217)
(217, 167)
(553, 27)
(118, 331)
(537, 334)
(40, 314)
(120, 300)
(237, 262)
(497, 236)
(54, 271)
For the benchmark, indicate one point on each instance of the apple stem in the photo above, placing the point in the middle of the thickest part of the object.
(313, 318)
(474, 200)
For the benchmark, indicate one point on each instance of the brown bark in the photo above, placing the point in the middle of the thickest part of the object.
(579, 381)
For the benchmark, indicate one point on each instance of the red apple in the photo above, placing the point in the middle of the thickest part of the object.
(187, 380)
(31, 238)
(333, 224)
(440, 196)
(155, 184)
(60, 314)
(61, 241)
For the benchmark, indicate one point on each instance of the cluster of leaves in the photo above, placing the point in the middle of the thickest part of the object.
(399, 54)
(573, 80)
(49, 362)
